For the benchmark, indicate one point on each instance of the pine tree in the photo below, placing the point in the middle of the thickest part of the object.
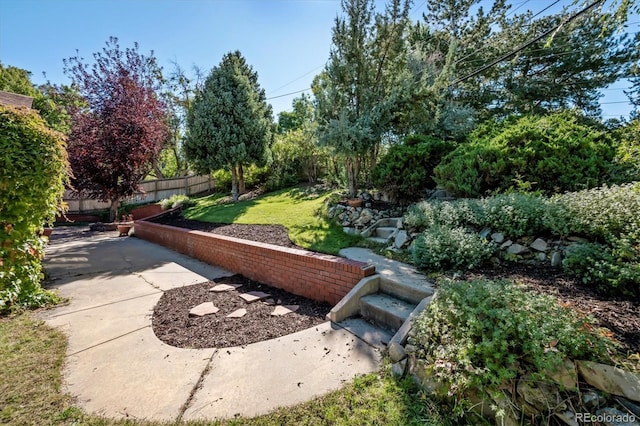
(230, 123)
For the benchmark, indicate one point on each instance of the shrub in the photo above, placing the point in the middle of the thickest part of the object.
(516, 215)
(33, 173)
(175, 201)
(482, 334)
(443, 248)
(406, 170)
(626, 166)
(609, 270)
(605, 213)
(553, 153)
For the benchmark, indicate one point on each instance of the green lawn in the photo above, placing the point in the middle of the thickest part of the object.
(292, 208)
(32, 354)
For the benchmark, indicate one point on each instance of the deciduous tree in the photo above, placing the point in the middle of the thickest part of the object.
(120, 131)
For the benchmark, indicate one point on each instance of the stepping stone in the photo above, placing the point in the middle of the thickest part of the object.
(284, 310)
(203, 309)
(237, 314)
(252, 296)
(224, 287)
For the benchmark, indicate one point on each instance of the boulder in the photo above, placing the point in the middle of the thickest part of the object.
(610, 379)
(517, 249)
(401, 239)
(538, 395)
(556, 259)
(540, 245)
(565, 375)
(498, 237)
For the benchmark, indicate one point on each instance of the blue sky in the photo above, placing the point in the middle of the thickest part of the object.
(286, 41)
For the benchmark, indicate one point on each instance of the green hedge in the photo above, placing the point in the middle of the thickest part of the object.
(406, 170)
(33, 173)
(553, 153)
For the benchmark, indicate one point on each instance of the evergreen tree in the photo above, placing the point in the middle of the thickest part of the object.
(356, 92)
(230, 122)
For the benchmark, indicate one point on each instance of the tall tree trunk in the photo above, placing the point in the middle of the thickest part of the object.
(241, 186)
(352, 176)
(113, 209)
(234, 183)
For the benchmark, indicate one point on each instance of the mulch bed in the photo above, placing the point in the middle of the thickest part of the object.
(271, 234)
(621, 316)
(173, 325)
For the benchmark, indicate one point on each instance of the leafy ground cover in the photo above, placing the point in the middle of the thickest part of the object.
(298, 209)
(32, 354)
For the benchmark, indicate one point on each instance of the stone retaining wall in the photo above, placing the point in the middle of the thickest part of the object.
(317, 276)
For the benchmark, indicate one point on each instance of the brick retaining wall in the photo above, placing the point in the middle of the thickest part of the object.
(316, 276)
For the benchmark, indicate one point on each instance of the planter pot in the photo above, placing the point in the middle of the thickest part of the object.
(355, 202)
(123, 230)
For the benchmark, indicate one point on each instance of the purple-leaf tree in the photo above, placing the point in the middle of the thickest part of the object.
(119, 132)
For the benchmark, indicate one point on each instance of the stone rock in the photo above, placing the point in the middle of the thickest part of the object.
(401, 239)
(396, 352)
(611, 379)
(284, 310)
(269, 302)
(484, 234)
(538, 395)
(634, 408)
(410, 349)
(203, 309)
(556, 259)
(365, 217)
(565, 375)
(517, 249)
(398, 368)
(613, 417)
(592, 400)
(350, 230)
(238, 313)
(540, 245)
(498, 237)
(575, 239)
(220, 288)
(253, 296)
(568, 417)
(541, 257)
(506, 244)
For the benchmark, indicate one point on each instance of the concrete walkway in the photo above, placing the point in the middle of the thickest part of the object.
(116, 366)
(386, 267)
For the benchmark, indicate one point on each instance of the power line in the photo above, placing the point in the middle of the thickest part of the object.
(288, 94)
(524, 46)
(296, 79)
(487, 46)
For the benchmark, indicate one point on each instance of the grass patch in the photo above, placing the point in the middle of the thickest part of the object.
(32, 355)
(293, 208)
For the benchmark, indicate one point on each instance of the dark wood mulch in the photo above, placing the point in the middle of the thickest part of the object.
(173, 325)
(621, 316)
(271, 234)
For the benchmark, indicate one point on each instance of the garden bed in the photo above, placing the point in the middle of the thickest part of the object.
(173, 325)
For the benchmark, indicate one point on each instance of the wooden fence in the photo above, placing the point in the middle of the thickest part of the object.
(151, 190)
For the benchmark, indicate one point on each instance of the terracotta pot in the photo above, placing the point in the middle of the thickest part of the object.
(123, 230)
(46, 232)
(355, 202)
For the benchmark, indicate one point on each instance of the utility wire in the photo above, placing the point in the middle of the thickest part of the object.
(487, 46)
(288, 94)
(527, 44)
